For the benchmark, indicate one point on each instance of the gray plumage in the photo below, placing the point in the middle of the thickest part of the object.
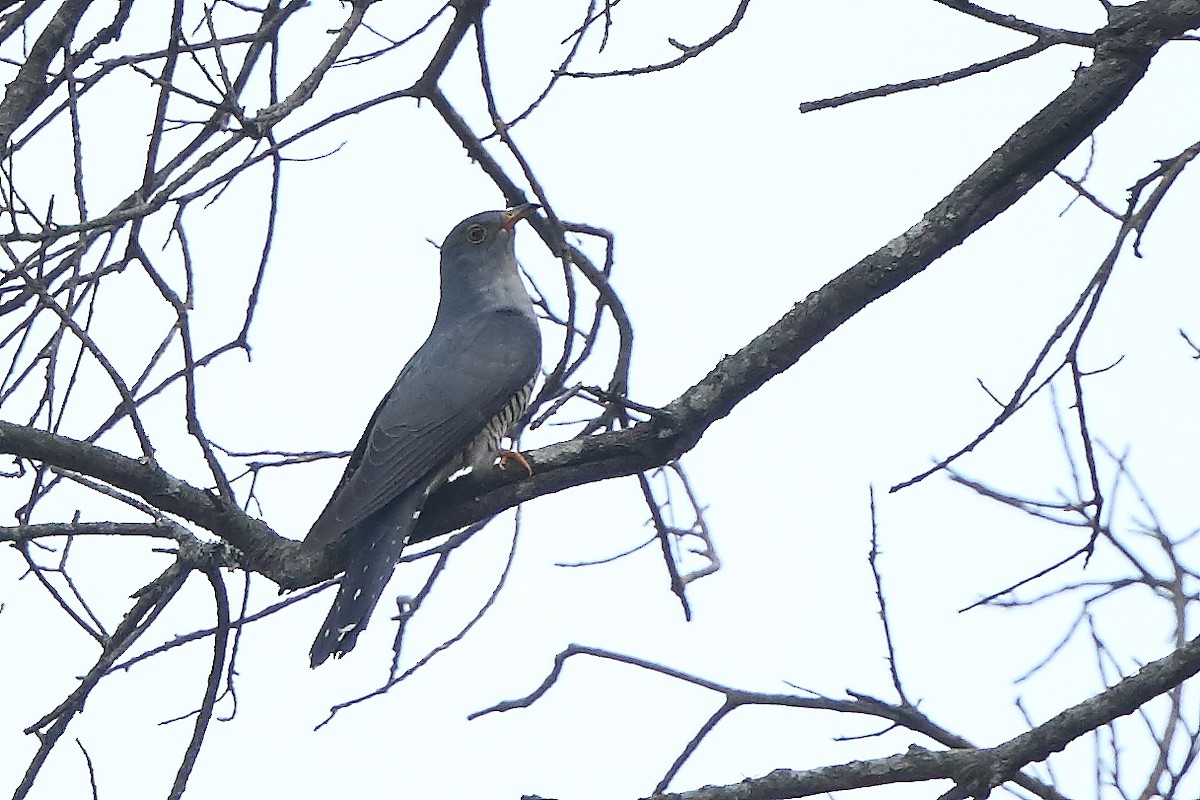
(459, 394)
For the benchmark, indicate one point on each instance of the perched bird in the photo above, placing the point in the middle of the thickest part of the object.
(460, 393)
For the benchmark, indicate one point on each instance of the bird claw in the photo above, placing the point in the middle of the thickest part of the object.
(506, 456)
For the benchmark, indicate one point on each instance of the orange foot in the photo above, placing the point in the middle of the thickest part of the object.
(512, 455)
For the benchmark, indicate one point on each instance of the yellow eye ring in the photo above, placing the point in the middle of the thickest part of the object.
(476, 234)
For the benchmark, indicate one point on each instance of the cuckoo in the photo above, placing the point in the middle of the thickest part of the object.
(462, 391)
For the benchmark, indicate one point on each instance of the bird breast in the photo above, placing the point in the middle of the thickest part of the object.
(481, 451)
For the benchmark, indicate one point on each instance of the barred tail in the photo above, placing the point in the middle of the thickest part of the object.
(383, 536)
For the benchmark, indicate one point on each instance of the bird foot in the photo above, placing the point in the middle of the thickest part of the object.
(506, 456)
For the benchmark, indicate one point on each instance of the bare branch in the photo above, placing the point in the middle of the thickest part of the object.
(689, 51)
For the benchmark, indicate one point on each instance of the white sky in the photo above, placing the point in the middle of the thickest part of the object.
(728, 207)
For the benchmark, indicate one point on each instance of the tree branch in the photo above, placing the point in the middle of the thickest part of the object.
(1123, 54)
(975, 772)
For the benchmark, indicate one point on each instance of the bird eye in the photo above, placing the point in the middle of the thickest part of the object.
(476, 234)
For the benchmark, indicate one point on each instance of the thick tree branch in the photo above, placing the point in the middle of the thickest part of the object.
(262, 550)
(975, 772)
(29, 88)
(1016, 167)
(1123, 53)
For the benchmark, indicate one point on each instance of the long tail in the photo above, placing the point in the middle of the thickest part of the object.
(383, 535)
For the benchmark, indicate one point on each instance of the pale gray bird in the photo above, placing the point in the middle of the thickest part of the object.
(460, 393)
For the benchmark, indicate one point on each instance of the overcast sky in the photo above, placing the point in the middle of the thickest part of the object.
(728, 206)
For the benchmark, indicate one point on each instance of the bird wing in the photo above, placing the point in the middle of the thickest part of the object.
(460, 378)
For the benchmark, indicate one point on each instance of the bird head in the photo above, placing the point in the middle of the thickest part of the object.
(481, 237)
(479, 266)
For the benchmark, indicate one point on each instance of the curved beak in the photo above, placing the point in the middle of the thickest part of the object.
(517, 213)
